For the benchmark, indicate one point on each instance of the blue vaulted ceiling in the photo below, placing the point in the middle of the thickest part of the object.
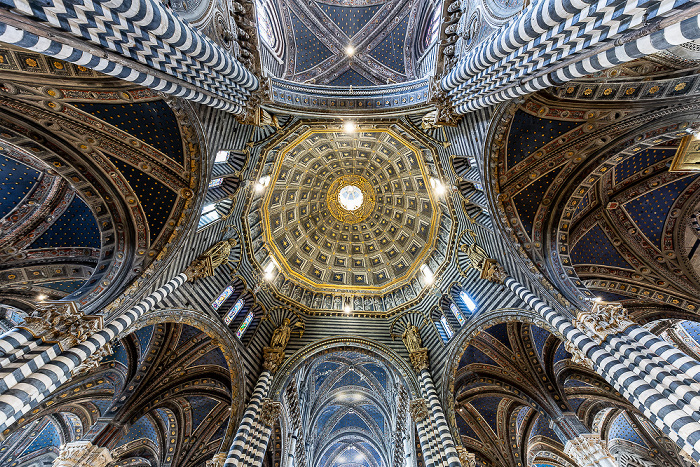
(16, 181)
(318, 33)
(596, 248)
(76, 227)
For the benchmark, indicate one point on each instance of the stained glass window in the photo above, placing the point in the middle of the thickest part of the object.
(233, 312)
(221, 156)
(244, 325)
(446, 327)
(209, 215)
(222, 298)
(458, 314)
(216, 182)
(468, 302)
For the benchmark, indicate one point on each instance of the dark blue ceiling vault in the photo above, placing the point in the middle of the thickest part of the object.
(522, 394)
(156, 413)
(593, 202)
(318, 33)
(64, 194)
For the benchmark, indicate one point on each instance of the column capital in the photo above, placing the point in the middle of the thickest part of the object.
(577, 356)
(489, 268)
(270, 412)
(418, 409)
(218, 460)
(420, 360)
(63, 322)
(444, 113)
(214, 257)
(82, 454)
(602, 320)
(93, 361)
(466, 458)
(272, 358)
(590, 451)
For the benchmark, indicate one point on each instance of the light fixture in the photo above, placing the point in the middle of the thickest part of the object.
(438, 187)
(427, 274)
(262, 183)
(349, 127)
(347, 306)
(349, 50)
(41, 297)
(269, 271)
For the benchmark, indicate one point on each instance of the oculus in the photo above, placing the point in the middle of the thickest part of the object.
(351, 199)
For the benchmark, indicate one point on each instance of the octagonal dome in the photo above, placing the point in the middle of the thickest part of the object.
(348, 219)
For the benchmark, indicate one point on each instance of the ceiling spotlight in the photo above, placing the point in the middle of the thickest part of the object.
(262, 183)
(349, 127)
(350, 51)
(598, 299)
(427, 274)
(41, 297)
(438, 187)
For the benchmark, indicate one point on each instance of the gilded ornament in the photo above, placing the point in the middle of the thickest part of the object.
(603, 320)
(356, 215)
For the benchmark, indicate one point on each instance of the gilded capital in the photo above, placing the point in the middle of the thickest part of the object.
(62, 322)
(270, 412)
(420, 360)
(466, 458)
(272, 358)
(418, 409)
(577, 356)
(93, 361)
(218, 460)
(603, 320)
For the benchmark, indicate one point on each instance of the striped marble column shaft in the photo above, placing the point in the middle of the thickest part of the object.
(438, 417)
(616, 368)
(240, 453)
(34, 388)
(667, 351)
(15, 339)
(425, 444)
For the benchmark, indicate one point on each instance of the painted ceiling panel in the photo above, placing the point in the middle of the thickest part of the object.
(213, 357)
(500, 332)
(156, 199)
(188, 332)
(650, 210)
(529, 133)
(561, 353)
(390, 52)
(350, 78)
(576, 403)
(144, 337)
(541, 428)
(76, 227)
(521, 417)
(63, 286)
(465, 429)
(201, 407)
(47, 437)
(310, 51)
(596, 248)
(641, 161)
(528, 200)
(488, 408)
(17, 181)
(142, 429)
(621, 428)
(539, 336)
(474, 355)
(151, 122)
(350, 20)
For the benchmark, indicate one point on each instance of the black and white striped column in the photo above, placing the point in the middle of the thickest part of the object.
(35, 387)
(166, 53)
(447, 454)
(249, 445)
(665, 399)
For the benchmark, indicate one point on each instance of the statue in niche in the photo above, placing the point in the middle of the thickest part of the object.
(411, 338)
(281, 336)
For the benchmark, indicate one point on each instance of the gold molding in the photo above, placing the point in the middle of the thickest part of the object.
(369, 197)
(687, 158)
(324, 286)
